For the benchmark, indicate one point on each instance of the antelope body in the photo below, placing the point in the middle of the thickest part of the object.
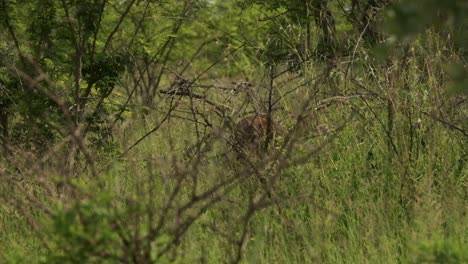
(251, 132)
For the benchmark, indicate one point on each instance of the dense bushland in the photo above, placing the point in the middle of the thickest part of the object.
(120, 143)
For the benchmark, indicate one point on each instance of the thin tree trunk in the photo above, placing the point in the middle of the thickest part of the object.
(4, 128)
(326, 23)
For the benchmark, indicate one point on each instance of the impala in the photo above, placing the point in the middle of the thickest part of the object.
(251, 132)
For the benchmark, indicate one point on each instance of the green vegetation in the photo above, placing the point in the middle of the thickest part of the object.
(120, 140)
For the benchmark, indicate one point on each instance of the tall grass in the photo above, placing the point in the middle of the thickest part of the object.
(388, 185)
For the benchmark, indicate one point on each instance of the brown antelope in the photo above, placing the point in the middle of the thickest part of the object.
(251, 132)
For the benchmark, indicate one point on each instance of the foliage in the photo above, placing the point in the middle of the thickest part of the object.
(86, 232)
(119, 131)
(438, 251)
(410, 18)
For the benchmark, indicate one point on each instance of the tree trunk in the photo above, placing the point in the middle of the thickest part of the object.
(326, 23)
(4, 127)
(364, 18)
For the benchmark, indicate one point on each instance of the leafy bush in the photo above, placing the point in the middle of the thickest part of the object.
(438, 251)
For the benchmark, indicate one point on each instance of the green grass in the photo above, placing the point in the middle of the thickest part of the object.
(354, 201)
